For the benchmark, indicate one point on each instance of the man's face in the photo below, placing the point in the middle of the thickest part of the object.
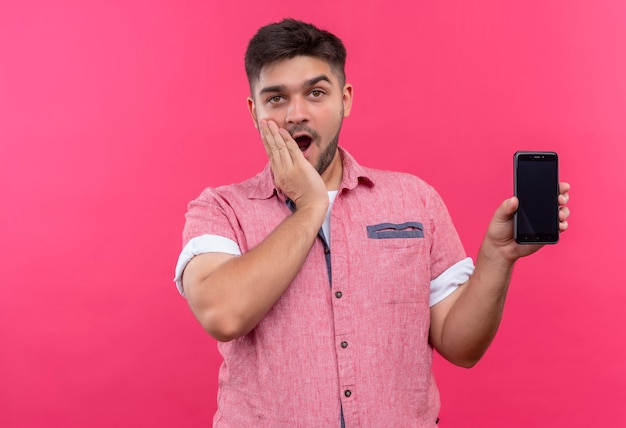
(305, 97)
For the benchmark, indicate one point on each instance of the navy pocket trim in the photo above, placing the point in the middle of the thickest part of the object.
(410, 229)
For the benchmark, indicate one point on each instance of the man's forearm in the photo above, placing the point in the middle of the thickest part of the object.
(475, 316)
(231, 299)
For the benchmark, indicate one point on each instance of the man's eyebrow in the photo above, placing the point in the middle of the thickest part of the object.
(276, 88)
(282, 88)
(314, 81)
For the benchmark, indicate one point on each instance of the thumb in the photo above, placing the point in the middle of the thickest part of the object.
(506, 210)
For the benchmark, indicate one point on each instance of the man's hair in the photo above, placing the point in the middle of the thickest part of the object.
(288, 39)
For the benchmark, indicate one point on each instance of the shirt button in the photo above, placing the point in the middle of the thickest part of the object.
(326, 250)
(338, 294)
(347, 393)
(344, 344)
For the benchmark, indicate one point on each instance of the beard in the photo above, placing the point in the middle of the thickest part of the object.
(327, 156)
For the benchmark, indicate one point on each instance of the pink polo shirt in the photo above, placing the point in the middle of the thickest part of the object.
(358, 346)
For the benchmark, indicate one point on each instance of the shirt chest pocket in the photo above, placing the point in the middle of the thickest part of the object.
(398, 262)
(397, 235)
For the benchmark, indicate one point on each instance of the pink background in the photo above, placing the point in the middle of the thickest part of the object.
(113, 115)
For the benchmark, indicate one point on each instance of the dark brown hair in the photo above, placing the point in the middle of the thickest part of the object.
(290, 38)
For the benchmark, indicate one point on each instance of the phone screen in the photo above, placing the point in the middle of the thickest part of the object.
(537, 188)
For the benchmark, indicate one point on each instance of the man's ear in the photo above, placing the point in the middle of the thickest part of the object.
(252, 110)
(347, 99)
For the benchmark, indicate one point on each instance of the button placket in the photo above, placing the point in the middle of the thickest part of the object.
(343, 319)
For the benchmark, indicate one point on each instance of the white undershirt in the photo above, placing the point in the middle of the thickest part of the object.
(332, 194)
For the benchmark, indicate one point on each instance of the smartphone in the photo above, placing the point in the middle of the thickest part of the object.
(536, 182)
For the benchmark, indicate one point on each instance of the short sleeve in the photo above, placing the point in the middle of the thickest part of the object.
(201, 245)
(208, 228)
(446, 247)
(453, 277)
(209, 214)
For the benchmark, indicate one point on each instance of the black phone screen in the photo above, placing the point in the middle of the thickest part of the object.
(537, 188)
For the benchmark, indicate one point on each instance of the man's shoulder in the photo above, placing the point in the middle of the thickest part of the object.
(396, 179)
(383, 177)
(259, 186)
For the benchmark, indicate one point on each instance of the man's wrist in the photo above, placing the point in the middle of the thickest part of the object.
(497, 256)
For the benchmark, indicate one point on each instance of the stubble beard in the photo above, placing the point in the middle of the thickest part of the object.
(327, 156)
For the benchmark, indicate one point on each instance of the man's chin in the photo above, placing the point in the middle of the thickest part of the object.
(326, 158)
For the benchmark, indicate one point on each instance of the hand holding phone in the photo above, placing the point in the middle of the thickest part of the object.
(536, 182)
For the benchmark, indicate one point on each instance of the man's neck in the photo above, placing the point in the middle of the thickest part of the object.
(333, 175)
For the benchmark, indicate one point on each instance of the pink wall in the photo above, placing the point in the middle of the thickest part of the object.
(113, 115)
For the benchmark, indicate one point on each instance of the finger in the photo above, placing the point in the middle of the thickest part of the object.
(274, 145)
(563, 198)
(266, 137)
(563, 213)
(279, 144)
(291, 145)
(564, 188)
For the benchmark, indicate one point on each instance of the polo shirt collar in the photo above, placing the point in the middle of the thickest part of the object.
(262, 185)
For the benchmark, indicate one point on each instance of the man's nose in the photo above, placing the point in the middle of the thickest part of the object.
(297, 111)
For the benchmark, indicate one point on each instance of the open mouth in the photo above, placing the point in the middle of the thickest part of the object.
(303, 141)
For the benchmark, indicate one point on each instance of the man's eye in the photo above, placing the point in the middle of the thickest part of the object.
(317, 93)
(275, 99)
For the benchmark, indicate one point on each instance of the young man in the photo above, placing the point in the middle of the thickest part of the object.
(328, 317)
